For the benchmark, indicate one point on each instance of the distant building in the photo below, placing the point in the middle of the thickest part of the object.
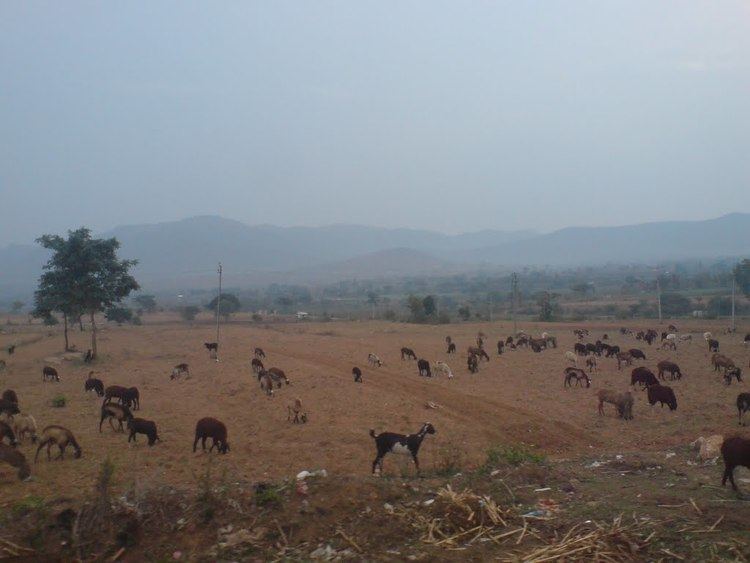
(699, 314)
(301, 315)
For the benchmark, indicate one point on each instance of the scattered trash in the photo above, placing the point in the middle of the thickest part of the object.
(176, 555)
(542, 490)
(431, 405)
(302, 475)
(388, 508)
(430, 501)
(595, 464)
(708, 448)
(670, 454)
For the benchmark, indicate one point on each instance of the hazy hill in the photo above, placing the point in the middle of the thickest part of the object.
(674, 240)
(184, 254)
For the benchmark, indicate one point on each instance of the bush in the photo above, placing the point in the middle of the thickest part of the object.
(59, 401)
(514, 455)
(267, 495)
(450, 460)
(189, 313)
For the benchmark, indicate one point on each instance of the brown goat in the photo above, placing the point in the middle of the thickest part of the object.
(622, 401)
(60, 436)
(113, 411)
(295, 414)
(214, 429)
(14, 458)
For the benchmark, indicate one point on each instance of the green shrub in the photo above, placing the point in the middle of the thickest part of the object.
(59, 401)
(514, 455)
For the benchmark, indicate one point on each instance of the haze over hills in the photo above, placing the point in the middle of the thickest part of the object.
(183, 254)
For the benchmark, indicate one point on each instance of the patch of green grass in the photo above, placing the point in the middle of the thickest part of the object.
(268, 495)
(28, 504)
(515, 455)
(59, 401)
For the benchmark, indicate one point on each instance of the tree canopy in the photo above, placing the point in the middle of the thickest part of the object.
(742, 276)
(83, 276)
(229, 304)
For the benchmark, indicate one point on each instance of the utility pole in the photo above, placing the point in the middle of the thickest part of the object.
(514, 295)
(658, 297)
(218, 308)
(734, 283)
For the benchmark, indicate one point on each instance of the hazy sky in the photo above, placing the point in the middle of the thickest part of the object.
(453, 116)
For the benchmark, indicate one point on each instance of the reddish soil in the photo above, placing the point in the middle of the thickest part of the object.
(517, 397)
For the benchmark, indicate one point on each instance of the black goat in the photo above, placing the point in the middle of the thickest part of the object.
(408, 354)
(644, 376)
(94, 384)
(388, 442)
(735, 451)
(214, 429)
(8, 407)
(424, 368)
(732, 372)
(743, 405)
(50, 373)
(357, 373)
(451, 348)
(142, 426)
(662, 394)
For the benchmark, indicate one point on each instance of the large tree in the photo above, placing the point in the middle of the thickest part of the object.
(229, 304)
(83, 276)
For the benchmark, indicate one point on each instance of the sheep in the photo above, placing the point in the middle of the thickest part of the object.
(408, 354)
(479, 352)
(24, 424)
(637, 354)
(113, 411)
(295, 414)
(257, 366)
(580, 349)
(577, 374)
(357, 373)
(707, 336)
(551, 341)
(132, 397)
(644, 376)
(472, 363)
(266, 383)
(662, 394)
(278, 376)
(671, 367)
(735, 451)
(373, 360)
(591, 363)
(713, 345)
(451, 348)
(622, 401)
(60, 436)
(571, 357)
(8, 407)
(424, 368)
(50, 374)
(444, 369)
(180, 369)
(624, 358)
(612, 351)
(142, 426)
(115, 392)
(7, 432)
(94, 384)
(669, 345)
(720, 361)
(732, 372)
(259, 353)
(211, 428)
(10, 396)
(500, 345)
(743, 405)
(14, 458)
(388, 442)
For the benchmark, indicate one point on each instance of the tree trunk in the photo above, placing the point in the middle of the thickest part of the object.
(65, 332)
(80, 322)
(93, 337)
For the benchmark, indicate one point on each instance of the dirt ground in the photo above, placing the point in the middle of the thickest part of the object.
(515, 398)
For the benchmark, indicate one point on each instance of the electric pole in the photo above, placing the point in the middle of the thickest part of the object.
(658, 297)
(734, 282)
(218, 309)
(514, 296)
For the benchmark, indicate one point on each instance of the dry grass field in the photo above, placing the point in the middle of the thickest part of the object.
(516, 398)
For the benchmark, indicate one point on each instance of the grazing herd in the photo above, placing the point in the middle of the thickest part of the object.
(119, 402)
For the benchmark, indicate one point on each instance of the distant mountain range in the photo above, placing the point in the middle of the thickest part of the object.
(184, 254)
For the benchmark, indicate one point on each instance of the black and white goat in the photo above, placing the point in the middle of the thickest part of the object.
(389, 442)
